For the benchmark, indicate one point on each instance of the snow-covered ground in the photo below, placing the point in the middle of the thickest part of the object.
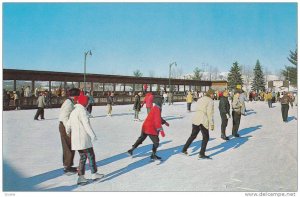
(264, 158)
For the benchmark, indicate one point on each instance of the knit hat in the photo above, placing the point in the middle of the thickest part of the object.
(210, 92)
(74, 92)
(83, 100)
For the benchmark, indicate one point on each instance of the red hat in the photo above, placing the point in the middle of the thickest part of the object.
(83, 100)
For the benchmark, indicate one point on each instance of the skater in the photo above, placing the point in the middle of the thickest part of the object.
(65, 111)
(149, 101)
(81, 139)
(137, 106)
(224, 108)
(236, 113)
(285, 101)
(165, 95)
(201, 121)
(110, 102)
(170, 98)
(152, 126)
(269, 99)
(16, 100)
(41, 105)
(242, 99)
(90, 104)
(189, 100)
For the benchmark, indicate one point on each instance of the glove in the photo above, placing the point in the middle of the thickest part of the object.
(167, 124)
(162, 133)
(212, 127)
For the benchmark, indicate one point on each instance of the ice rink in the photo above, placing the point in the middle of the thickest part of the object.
(264, 158)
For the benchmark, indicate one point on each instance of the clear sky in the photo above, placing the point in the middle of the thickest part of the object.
(124, 37)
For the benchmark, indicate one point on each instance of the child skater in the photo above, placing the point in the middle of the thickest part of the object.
(152, 126)
(81, 139)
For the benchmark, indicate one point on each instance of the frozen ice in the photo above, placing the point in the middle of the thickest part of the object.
(264, 158)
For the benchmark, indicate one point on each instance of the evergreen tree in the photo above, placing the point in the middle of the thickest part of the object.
(197, 74)
(137, 73)
(258, 83)
(234, 77)
(290, 72)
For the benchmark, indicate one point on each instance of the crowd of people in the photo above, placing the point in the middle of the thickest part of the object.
(77, 134)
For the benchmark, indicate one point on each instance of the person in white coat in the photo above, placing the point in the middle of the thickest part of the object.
(81, 139)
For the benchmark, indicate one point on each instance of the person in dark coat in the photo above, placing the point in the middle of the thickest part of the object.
(137, 106)
(224, 108)
(110, 102)
(152, 126)
(236, 113)
(285, 101)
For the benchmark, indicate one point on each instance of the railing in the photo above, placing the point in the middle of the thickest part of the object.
(56, 102)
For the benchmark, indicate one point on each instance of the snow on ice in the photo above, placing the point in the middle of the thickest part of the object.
(264, 158)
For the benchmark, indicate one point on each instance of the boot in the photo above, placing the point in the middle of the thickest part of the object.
(81, 180)
(155, 157)
(96, 176)
(224, 137)
(204, 157)
(130, 151)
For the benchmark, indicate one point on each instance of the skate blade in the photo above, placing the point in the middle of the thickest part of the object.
(70, 173)
(97, 179)
(83, 184)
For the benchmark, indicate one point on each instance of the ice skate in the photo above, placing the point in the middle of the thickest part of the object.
(184, 153)
(155, 157)
(82, 180)
(204, 157)
(70, 171)
(96, 176)
(129, 152)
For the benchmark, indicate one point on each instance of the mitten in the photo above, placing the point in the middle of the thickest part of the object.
(167, 124)
(162, 133)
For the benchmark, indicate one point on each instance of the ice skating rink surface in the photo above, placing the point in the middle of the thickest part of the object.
(264, 158)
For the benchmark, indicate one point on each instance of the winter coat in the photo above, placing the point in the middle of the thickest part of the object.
(91, 100)
(269, 96)
(41, 102)
(137, 103)
(65, 111)
(189, 98)
(82, 132)
(236, 104)
(110, 100)
(285, 99)
(204, 112)
(148, 100)
(224, 105)
(152, 124)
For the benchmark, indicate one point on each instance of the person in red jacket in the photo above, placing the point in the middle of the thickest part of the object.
(152, 126)
(149, 101)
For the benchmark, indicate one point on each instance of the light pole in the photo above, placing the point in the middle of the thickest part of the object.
(170, 66)
(84, 75)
